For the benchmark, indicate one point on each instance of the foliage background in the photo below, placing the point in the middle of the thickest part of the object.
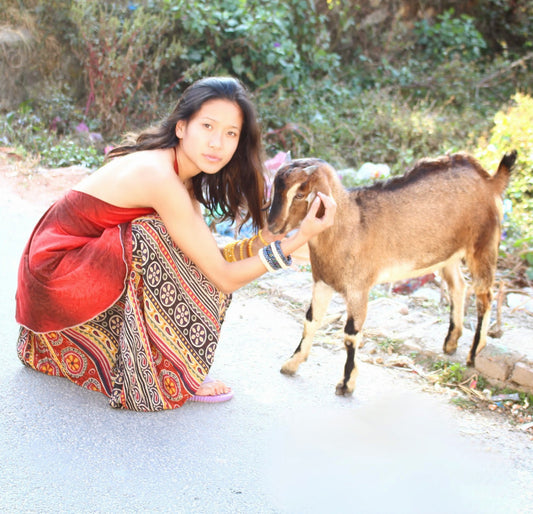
(386, 81)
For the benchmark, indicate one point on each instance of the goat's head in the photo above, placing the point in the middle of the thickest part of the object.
(295, 187)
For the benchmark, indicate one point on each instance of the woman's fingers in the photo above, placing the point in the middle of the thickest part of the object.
(313, 209)
(313, 225)
(330, 208)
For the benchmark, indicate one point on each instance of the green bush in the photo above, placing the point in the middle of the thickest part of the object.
(449, 37)
(284, 42)
(122, 48)
(513, 129)
(48, 127)
(331, 122)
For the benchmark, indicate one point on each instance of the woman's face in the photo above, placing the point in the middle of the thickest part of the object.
(209, 139)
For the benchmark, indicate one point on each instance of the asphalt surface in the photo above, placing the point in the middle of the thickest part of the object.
(282, 444)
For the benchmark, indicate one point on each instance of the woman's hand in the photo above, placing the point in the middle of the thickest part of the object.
(313, 225)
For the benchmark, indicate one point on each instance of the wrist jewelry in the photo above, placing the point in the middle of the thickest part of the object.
(278, 252)
(229, 251)
(273, 257)
(264, 260)
(261, 238)
(249, 246)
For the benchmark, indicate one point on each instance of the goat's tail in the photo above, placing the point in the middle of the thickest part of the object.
(503, 174)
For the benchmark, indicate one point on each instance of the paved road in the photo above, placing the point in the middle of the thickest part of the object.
(282, 445)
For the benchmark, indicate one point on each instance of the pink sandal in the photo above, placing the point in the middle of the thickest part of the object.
(213, 398)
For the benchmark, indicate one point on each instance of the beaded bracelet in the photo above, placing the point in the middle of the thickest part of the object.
(249, 246)
(271, 254)
(229, 252)
(273, 257)
(280, 256)
(264, 260)
(261, 238)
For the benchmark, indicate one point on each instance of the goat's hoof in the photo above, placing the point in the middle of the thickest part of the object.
(343, 390)
(471, 361)
(288, 369)
(449, 349)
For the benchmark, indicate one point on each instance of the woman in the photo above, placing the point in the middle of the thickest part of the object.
(122, 288)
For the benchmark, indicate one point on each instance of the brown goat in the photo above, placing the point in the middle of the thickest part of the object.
(440, 213)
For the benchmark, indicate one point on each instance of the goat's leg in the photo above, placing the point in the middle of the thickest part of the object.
(356, 304)
(456, 288)
(322, 294)
(483, 304)
(482, 265)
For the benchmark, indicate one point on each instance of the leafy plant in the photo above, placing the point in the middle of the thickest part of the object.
(68, 153)
(47, 128)
(449, 37)
(379, 126)
(122, 48)
(449, 372)
(389, 345)
(276, 42)
(513, 129)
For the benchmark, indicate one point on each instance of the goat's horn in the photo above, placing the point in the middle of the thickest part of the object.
(311, 169)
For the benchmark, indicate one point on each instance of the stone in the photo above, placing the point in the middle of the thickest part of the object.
(492, 367)
(523, 375)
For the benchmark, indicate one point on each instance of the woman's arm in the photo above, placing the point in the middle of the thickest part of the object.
(170, 198)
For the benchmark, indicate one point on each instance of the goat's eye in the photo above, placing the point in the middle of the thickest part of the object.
(299, 196)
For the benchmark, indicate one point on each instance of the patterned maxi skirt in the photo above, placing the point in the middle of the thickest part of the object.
(152, 349)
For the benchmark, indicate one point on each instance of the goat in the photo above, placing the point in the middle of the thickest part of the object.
(440, 213)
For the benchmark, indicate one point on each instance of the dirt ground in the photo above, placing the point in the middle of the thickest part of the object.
(36, 185)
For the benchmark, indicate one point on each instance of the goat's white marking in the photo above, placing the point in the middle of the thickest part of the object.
(322, 294)
(291, 192)
(404, 270)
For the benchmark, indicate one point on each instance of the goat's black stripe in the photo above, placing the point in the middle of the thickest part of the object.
(450, 330)
(309, 313)
(477, 337)
(350, 362)
(349, 328)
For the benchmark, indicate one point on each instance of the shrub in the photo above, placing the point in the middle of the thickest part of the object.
(449, 37)
(50, 128)
(332, 122)
(123, 48)
(513, 129)
(282, 42)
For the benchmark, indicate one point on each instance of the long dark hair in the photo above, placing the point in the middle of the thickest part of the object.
(237, 191)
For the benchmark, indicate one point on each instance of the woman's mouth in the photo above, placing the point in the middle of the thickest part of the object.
(212, 158)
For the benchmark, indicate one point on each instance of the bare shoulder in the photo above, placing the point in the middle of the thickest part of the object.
(134, 180)
(150, 167)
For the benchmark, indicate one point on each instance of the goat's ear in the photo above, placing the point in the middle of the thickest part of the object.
(323, 186)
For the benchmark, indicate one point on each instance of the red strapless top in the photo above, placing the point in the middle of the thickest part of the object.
(75, 264)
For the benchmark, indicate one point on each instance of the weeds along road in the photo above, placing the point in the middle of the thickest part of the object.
(282, 444)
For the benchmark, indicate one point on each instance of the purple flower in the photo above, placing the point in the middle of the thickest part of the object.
(82, 127)
(277, 45)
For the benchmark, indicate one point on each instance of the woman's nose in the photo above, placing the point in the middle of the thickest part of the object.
(215, 141)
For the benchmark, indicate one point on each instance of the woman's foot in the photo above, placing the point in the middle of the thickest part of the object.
(212, 387)
(212, 391)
